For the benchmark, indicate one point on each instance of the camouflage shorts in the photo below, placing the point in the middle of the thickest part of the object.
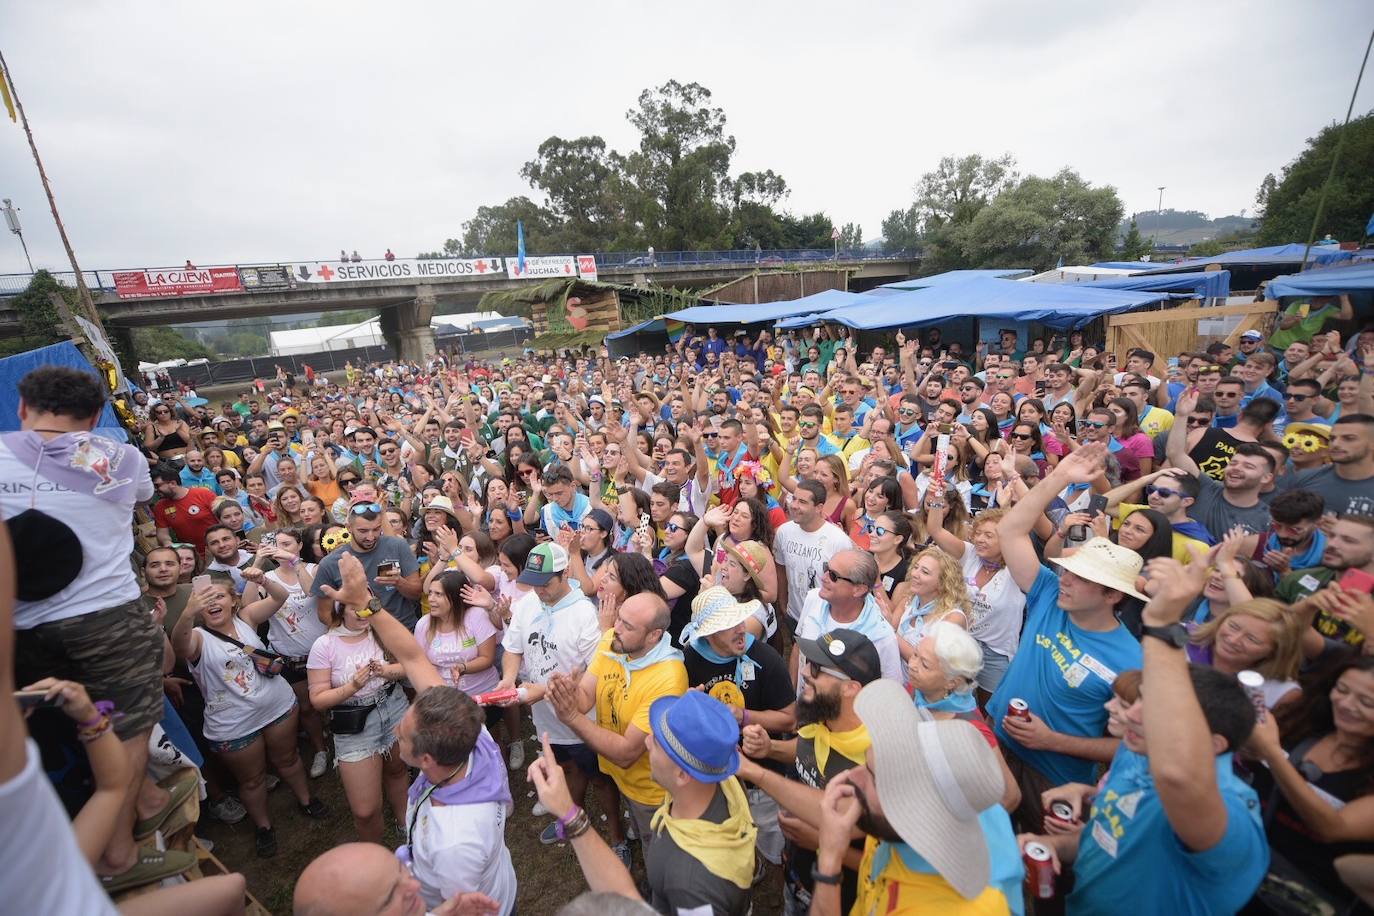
(115, 653)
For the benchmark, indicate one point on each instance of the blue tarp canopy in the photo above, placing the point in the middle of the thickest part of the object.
(956, 276)
(1273, 254)
(1060, 305)
(14, 368)
(653, 325)
(1331, 282)
(766, 311)
(1204, 284)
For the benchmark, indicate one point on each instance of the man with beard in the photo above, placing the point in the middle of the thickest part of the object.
(393, 573)
(184, 512)
(1293, 539)
(1347, 483)
(635, 665)
(927, 797)
(1349, 545)
(831, 740)
(224, 555)
(1236, 499)
(749, 676)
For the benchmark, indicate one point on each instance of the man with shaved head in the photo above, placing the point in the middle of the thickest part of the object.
(363, 879)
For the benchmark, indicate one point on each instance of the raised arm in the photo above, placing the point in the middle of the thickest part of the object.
(1015, 529)
(1176, 446)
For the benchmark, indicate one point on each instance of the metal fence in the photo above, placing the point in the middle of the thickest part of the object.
(265, 367)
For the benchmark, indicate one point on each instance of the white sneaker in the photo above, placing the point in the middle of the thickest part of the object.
(319, 764)
(539, 810)
(517, 755)
(272, 781)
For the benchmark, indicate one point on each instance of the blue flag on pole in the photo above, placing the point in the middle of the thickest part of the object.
(1369, 226)
(519, 247)
(1060, 265)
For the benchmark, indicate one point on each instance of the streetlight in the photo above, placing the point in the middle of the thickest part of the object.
(12, 220)
(1159, 215)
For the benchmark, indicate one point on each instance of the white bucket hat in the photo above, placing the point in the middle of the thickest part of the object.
(933, 779)
(715, 609)
(1108, 564)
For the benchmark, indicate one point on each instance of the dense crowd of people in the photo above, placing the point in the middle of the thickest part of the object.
(923, 626)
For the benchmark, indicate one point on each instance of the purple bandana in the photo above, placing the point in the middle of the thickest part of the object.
(80, 461)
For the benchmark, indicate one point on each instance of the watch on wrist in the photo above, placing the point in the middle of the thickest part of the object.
(819, 877)
(1175, 634)
(373, 606)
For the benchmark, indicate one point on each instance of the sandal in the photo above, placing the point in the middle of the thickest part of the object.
(181, 785)
(152, 866)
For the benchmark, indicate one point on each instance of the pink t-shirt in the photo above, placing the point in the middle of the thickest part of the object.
(1133, 450)
(446, 650)
(343, 659)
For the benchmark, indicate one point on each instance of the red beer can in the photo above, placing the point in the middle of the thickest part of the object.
(1063, 811)
(1039, 870)
(1018, 708)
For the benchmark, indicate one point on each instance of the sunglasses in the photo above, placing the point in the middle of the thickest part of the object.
(1296, 397)
(1091, 424)
(347, 483)
(879, 531)
(1165, 492)
(672, 526)
(363, 508)
(906, 412)
(816, 670)
(1226, 394)
(1023, 436)
(836, 577)
(1194, 422)
(810, 424)
(710, 435)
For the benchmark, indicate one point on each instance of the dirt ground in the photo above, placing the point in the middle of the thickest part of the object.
(548, 876)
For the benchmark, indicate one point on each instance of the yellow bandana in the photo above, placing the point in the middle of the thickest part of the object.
(727, 848)
(852, 744)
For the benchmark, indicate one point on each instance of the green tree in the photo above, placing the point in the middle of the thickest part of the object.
(951, 197)
(1291, 203)
(39, 322)
(1039, 221)
(1134, 246)
(902, 230)
(582, 184)
(159, 344)
(492, 230)
(851, 237)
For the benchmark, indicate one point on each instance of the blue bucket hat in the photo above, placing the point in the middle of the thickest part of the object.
(697, 733)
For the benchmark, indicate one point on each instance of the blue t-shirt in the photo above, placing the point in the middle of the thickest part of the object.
(1129, 852)
(1065, 674)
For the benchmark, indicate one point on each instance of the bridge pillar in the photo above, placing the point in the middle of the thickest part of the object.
(406, 327)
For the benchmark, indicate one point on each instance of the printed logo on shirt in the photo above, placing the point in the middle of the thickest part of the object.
(1073, 663)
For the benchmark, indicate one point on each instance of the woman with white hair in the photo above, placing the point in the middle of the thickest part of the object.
(942, 673)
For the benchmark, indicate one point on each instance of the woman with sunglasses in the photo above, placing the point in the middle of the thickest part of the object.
(934, 590)
(251, 717)
(347, 481)
(166, 434)
(679, 579)
(349, 671)
(882, 495)
(890, 544)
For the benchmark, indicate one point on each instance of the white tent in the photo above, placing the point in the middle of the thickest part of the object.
(346, 337)
(1078, 274)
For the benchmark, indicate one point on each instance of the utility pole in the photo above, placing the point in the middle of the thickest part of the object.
(1159, 215)
(12, 220)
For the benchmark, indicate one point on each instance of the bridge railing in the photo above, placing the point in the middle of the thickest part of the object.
(103, 280)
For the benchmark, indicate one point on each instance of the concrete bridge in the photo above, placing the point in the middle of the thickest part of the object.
(406, 292)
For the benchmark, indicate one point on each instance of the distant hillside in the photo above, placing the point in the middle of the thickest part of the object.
(1182, 227)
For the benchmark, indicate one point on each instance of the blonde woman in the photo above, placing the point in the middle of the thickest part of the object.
(1261, 635)
(935, 590)
(832, 473)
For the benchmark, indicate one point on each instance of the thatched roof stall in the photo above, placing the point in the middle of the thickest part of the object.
(570, 312)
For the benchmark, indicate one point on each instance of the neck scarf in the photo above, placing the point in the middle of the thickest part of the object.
(953, 702)
(852, 744)
(727, 464)
(546, 611)
(870, 621)
(914, 620)
(560, 516)
(80, 461)
(727, 848)
(662, 652)
(484, 781)
(1197, 532)
(742, 661)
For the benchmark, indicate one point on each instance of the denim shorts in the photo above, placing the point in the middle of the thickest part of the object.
(378, 735)
(238, 744)
(994, 668)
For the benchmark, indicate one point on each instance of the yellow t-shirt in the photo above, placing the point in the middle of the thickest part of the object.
(1181, 541)
(899, 890)
(618, 708)
(1157, 421)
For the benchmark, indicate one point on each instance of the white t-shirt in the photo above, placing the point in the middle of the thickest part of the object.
(295, 626)
(238, 700)
(999, 607)
(815, 621)
(41, 868)
(105, 529)
(551, 644)
(446, 650)
(232, 569)
(692, 498)
(460, 848)
(801, 555)
(343, 658)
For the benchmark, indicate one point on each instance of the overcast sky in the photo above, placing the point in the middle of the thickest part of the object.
(256, 131)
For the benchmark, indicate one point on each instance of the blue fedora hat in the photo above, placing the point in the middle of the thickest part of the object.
(697, 733)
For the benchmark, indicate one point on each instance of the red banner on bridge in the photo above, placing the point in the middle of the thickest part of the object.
(156, 284)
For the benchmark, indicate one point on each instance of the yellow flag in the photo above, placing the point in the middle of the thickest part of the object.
(5, 94)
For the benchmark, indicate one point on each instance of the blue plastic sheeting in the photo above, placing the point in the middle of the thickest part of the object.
(1332, 282)
(1126, 265)
(14, 368)
(1060, 305)
(1273, 254)
(767, 311)
(1204, 284)
(652, 325)
(957, 276)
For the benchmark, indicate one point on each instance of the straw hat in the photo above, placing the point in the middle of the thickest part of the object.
(753, 556)
(933, 779)
(715, 609)
(442, 504)
(1108, 564)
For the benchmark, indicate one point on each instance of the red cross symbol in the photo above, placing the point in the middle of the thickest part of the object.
(481, 267)
(325, 272)
(567, 268)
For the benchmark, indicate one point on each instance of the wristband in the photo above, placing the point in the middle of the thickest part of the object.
(103, 708)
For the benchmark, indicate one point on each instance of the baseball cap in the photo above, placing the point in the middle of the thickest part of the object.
(1252, 335)
(847, 651)
(544, 562)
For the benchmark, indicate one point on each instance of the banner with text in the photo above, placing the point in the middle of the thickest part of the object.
(410, 269)
(551, 266)
(194, 281)
(586, 267)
